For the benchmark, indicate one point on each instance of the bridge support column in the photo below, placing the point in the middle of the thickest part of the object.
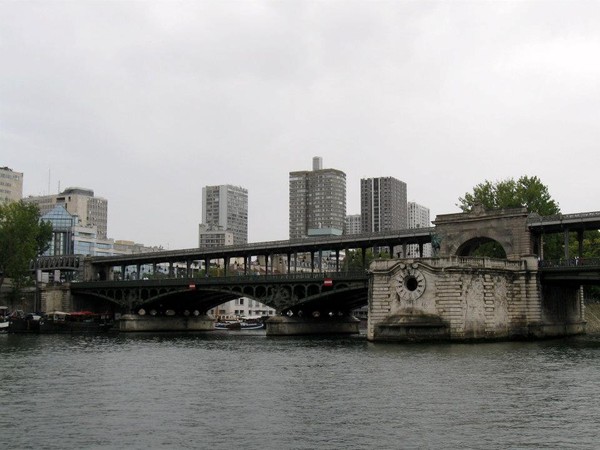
(132, 322)
(295, 326)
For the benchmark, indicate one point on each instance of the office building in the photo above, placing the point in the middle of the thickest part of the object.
(317, 202)
(11, 185)
(225, 208)
(418, 217)
(353, 224)
(91, 211)
(214, 236)
(383, 204)
(69, 237)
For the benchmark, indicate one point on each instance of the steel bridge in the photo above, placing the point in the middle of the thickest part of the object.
(180, 285)
(575, 271)
(294, 293)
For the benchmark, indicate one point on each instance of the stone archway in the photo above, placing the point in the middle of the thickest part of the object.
(482, 246)
(508, 227)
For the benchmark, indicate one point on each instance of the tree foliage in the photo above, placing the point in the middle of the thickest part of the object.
(529, 192)
(354, 260)
(22, 238)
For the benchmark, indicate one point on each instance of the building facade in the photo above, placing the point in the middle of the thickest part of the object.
(353, 224)
(383, 204)
(418, 217)
(11, 185)
(92, 211)
(242, 307)
(211, 237)
(69, 237)
(317, 201)
(225, 207)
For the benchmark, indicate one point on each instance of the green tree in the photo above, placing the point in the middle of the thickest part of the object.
(23, 237)
(528, 192)
(354, 261)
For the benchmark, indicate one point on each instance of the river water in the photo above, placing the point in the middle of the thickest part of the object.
(224, 390)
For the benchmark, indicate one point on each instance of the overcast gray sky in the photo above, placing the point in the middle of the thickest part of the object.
(146, 102)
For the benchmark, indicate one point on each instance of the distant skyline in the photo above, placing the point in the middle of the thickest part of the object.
(147, 102)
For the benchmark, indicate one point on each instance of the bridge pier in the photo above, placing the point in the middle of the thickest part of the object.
(462, 299)
(296, 326)
(133, 323)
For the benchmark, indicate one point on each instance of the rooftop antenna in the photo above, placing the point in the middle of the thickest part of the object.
(48, 180)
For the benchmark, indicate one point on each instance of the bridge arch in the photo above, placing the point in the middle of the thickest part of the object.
(459, 234)
(481, 246)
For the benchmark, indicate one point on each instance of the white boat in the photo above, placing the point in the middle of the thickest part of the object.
(4, 320)
(244, 323)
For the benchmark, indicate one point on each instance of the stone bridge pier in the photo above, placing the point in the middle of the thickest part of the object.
(466, 298)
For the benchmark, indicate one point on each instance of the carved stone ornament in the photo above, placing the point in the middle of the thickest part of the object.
(410, 283)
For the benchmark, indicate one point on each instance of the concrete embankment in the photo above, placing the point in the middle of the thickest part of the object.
(592, 316)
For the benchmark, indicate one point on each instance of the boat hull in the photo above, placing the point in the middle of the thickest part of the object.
(47, 327)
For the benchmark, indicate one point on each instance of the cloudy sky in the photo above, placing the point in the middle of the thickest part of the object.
(146, 102)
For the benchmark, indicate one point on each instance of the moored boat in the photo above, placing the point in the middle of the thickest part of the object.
(20, 322)
(244, 323)
(3, 319)
(80, 322)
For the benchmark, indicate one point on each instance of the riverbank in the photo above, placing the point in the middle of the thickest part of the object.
(592, 316)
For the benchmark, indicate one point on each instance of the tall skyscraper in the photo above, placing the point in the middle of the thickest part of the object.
(91, 211)
(225, 207)
(418, 217)
(11, 185)
(383, 205)
(317, 201)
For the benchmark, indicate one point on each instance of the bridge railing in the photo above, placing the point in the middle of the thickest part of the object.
(570, 262)
(473, 261)
(239, 278)
(288, 276)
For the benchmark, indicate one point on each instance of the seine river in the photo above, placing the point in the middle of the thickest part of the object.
(224, 390)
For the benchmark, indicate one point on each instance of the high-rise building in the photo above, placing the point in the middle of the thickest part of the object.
(91, 211)
(383, 204)
(418, 217)
(225, 207)
(317, 202)
(353, 224)
(11, 185)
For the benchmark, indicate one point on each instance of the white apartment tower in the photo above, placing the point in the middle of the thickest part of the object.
(317, 202)
(225, 208)
(383, 205)
(418, 217)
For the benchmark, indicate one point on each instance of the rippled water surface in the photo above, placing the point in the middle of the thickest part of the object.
(224, 390)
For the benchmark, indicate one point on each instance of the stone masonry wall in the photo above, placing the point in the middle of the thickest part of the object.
(453, 298)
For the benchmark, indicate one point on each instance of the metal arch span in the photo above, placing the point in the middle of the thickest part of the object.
(282, 292)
